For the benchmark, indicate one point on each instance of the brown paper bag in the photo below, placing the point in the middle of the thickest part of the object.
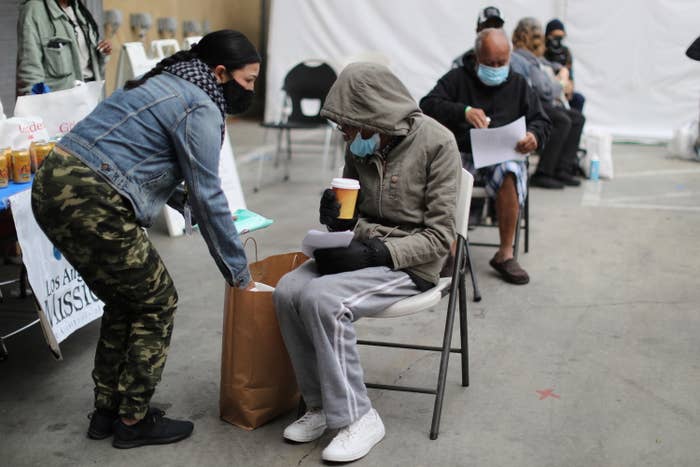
(257, 378)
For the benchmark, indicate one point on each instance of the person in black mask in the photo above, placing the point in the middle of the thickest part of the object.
(109, 177)
(557, 52)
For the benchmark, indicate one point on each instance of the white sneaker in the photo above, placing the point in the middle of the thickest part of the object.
(308, 428)
(355, 440)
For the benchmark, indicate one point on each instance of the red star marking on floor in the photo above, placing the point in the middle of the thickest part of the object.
(545, 393)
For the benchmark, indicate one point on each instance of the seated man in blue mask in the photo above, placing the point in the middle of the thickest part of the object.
(409, 173)
(484, 94)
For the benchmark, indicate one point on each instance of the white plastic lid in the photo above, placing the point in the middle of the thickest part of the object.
(345, 183)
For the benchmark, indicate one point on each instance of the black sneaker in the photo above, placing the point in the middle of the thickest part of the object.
(545, 181)
(101, 421)
(153, 429)
(567, 179)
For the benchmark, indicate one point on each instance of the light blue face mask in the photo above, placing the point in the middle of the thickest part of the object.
(492, 76)
(364, 147)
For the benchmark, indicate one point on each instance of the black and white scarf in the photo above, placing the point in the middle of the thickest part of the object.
(198, 73)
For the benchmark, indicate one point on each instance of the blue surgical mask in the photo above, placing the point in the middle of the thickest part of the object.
(364, 147)
(492, 76)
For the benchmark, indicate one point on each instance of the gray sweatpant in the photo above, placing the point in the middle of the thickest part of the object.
(315, 315)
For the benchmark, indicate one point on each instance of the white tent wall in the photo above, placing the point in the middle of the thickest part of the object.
(628, 54)
(629, 61)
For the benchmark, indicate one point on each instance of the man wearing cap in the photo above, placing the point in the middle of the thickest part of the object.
(489, 94)
(489, 17)
(557, 52)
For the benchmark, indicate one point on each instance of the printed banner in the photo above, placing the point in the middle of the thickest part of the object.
(67, 304)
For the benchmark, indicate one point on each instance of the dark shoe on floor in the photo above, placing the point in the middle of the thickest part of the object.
(567, 179)
(101, 423)
(545, 181)
(153, 429)
(511, 271)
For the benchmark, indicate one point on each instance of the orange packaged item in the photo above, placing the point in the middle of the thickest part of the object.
(21, 166)
(38, 152)
(5, 155)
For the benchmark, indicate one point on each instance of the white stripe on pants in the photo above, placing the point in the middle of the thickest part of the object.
(315, 314)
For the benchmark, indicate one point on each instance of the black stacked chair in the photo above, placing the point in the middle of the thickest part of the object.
(306, 81)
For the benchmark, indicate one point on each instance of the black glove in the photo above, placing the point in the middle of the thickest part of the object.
(358, 255)
(329, 212)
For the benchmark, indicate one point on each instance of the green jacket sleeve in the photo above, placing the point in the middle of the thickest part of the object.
(30, 68)
(433, 242)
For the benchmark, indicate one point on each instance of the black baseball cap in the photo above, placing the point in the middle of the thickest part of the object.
(491, 14)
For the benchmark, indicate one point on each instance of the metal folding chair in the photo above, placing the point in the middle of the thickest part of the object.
(455, 288)
(306, 82)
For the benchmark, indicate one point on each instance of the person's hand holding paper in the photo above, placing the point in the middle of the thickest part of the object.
(527, 144)
(492, 146)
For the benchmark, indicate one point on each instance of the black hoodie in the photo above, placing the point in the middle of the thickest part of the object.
(504, 103)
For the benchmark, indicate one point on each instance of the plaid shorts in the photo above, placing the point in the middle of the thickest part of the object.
(491, 177)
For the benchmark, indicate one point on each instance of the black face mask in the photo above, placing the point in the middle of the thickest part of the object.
(554, 43)
(238, 99)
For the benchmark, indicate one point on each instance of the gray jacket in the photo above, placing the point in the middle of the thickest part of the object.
(47, 50)
(408, 196)
(532, 68)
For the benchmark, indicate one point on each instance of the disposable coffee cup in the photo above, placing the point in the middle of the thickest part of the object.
(346, 193)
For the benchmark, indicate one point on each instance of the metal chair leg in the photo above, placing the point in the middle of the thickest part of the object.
(289, 154)
(278, 151)
(527, 222)
(447, 339)
(261, 161)
(472, 273)
(463, 329)
(516, 243)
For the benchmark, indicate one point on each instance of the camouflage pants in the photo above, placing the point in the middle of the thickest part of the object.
(96, 230)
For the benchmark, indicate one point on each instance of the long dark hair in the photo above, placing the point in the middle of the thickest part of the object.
(226, 47)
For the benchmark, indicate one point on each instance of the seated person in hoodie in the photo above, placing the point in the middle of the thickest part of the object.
(558, 158)
(409, 172)
(467, 97)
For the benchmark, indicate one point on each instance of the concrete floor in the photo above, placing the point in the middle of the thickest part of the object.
(609, 323)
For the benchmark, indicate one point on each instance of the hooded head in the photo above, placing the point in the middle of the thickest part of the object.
(370, 97)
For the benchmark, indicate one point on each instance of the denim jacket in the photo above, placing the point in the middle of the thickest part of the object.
(146, 141)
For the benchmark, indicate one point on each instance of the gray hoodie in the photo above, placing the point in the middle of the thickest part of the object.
(409, 195)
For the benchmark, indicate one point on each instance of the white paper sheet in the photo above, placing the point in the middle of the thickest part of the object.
(495, 145)
(319, 239)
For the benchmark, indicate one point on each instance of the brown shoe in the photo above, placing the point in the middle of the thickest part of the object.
(511, 271)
